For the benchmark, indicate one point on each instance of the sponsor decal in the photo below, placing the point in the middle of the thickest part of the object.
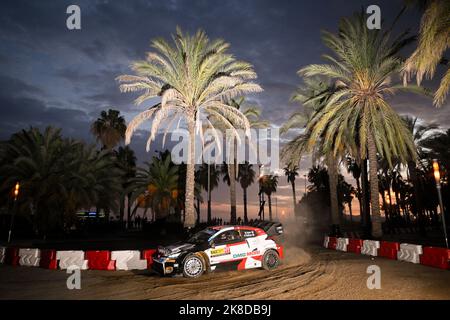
(253, 253)
(249, 233)
(239, 255)
(220, 252)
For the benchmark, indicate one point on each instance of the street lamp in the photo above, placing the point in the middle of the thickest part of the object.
(16, 195)
(437, 177)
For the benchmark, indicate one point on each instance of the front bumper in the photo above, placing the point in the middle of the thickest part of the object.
(165, 266)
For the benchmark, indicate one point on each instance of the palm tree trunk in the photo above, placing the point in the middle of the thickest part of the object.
(270, 207)
(209, 193)
(294, 198)
(417, 195)
(232, 174)
(333, 179)
(365, 216)
(358, 189)
(198, 210)
(377, 232)
(189, 220)
(245, 205)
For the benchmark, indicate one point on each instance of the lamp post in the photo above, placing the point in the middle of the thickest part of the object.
(16, 194)
(437, 177)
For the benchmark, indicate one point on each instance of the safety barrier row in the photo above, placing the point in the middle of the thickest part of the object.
(91, 259)
(429, 256)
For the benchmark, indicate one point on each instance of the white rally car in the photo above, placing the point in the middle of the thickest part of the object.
(222, 247)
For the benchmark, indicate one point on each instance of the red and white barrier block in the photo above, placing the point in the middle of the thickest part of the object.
(29, 257)
(71, 258)
(342, 244)
(128, 260)
(389, 250)
(100, 260)
(2, 254)
(436, 257)
(409, 253)
(370, 247)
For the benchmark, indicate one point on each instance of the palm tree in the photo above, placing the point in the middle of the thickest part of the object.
(58, 177)
(194, 76)
(109, 129)
(156, 184)
(434, 40)
(208, 178)
(291, 172)
(252, 113)
(246, 177)
(268, 186)
(355, 169)
(127, 162)
(357, 112)
(420, 132)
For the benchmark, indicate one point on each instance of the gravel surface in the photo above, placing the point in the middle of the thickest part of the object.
(314, 273)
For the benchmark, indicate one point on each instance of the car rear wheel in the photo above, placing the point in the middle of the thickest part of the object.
(193, 266)
(271, 260)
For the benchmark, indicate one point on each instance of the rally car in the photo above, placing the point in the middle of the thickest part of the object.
(222, 247)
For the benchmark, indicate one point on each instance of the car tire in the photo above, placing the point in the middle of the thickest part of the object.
(193, 266)
(270, 260)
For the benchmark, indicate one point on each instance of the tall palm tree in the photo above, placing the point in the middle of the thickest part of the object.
(363, 63)
(419, 132)
(434, 40)
(208, 178)
(291, 172)
(127, 162)
(109, 129)
(355, 169)
(268, 186)
(252, 113)
(246, 177)
(193, 77)
(156, 184)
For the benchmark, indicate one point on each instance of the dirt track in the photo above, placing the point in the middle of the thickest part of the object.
(316, 274)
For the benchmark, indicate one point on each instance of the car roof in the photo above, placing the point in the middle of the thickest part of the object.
(258, 231)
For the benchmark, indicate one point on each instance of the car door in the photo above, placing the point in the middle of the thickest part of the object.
(227, 247)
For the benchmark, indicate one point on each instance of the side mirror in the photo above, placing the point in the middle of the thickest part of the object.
(212, 244)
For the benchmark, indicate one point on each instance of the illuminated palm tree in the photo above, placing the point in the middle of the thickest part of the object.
(434, 40)
(357, 113)
(109, 129)
(194, 78)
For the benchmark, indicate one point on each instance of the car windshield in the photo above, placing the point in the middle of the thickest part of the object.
(202, 236)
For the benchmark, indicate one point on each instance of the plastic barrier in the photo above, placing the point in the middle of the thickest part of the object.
(100, 260)
(389, 250)
(409, 253)
(71, 258)
(354, 245)
(332, 242)
(342, 244)
(436, 257)
(12, 256)
(370, 247)
(147, 255)
(325, 241)
(2, 254)
(48, 259)
(128, 260)
(29, 257)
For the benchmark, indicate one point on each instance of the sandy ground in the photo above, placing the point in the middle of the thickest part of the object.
(306, 274)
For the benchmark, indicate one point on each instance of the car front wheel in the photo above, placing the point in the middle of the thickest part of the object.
(193, 266)
(271, 260)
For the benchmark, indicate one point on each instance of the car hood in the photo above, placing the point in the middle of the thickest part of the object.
(178, 247)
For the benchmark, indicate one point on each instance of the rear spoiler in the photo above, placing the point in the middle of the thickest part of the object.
(270, 227)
